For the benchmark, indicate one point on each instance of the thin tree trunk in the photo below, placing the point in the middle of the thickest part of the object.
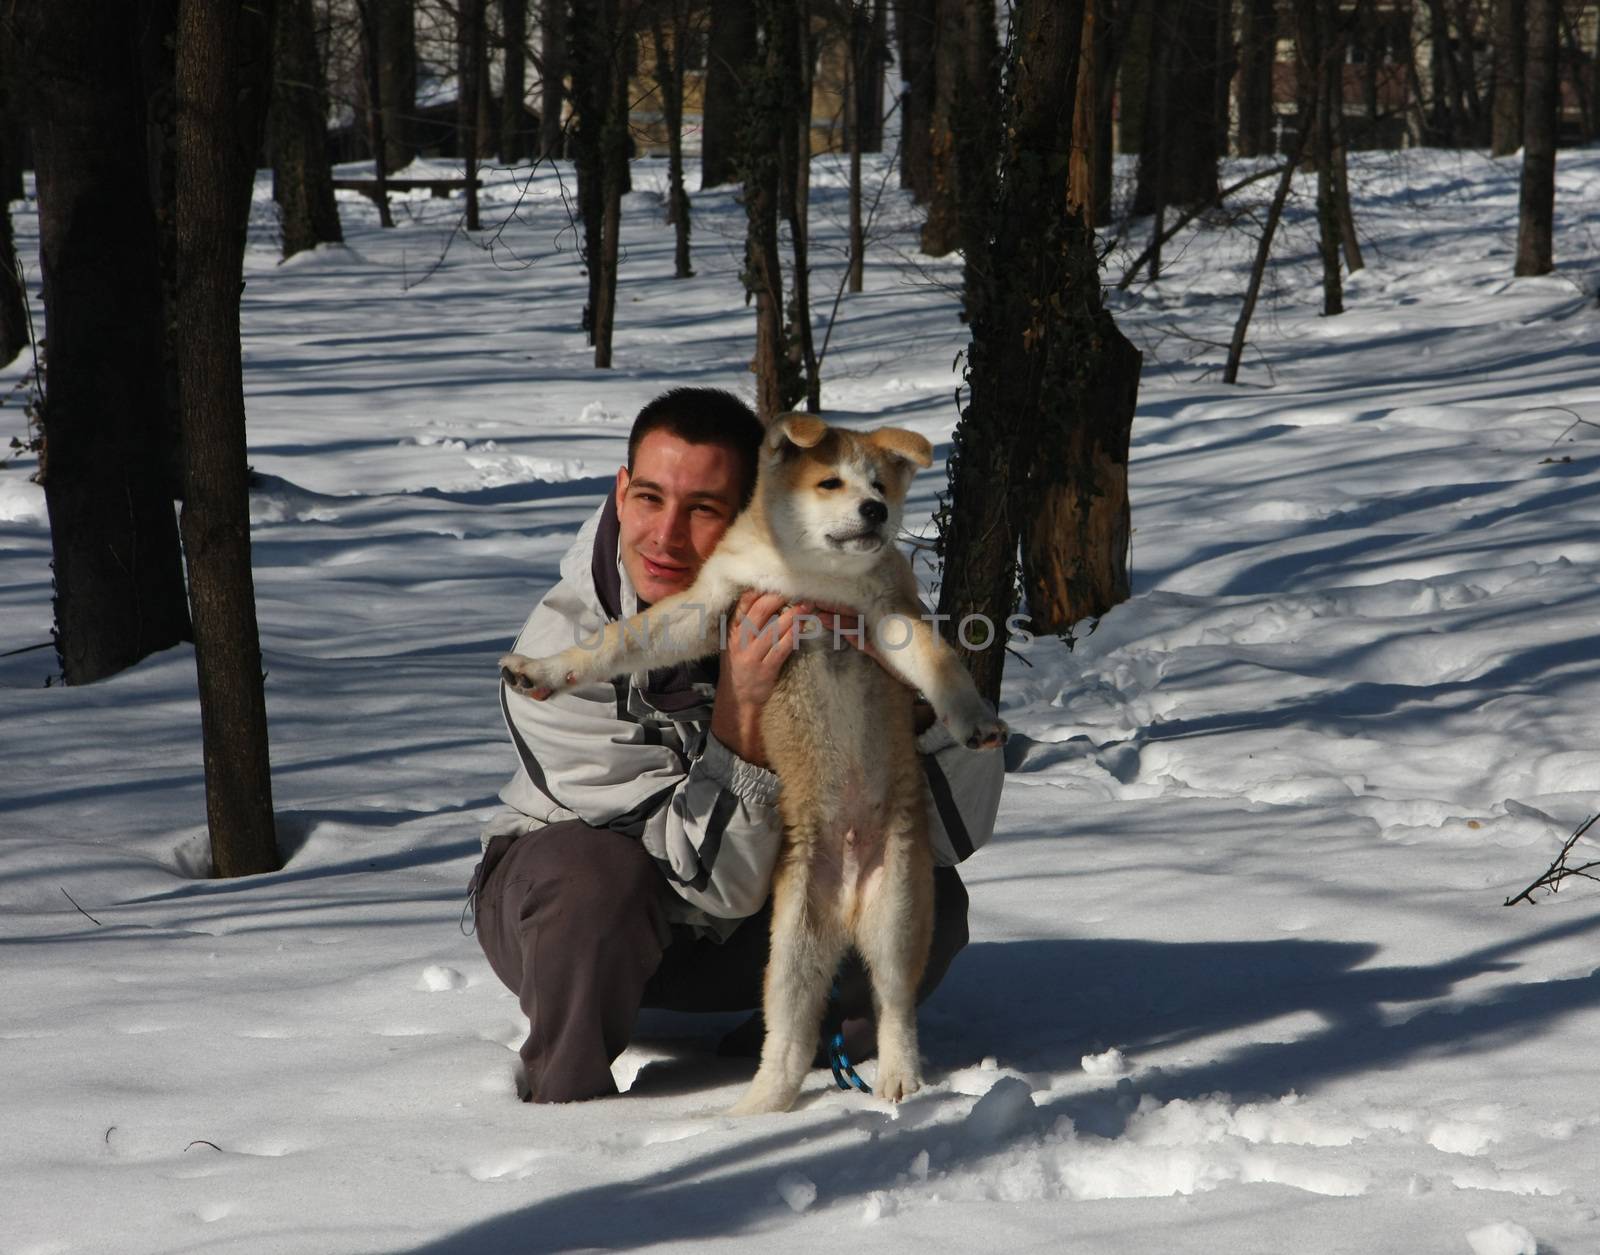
(915, 25)
(108, 458)
(763, 273)
(1257, 55)
(221, 103)
(514, 81)
(469, 75)
(1536, 217)
(397, 77)
(1323, 14)
(618, 33)
(13, 296)
(589, 95)
(856, 60)
(302, 181)
(670, 55)
(488, 127)
(729, 56)
(552, 72)
(1241, 328)
(13, 117)
(372, 61)
(798, 57)
(869, 90)
(13, 299)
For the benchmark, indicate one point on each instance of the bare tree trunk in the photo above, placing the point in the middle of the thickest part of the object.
(915, 27)
(1536, 218)
(1327, 65)
(965, 91)
(617, 16)
(13, 297)
(552, 72)
(671, 52)
(514, 81)
(1257, 54)
(763, 271)
(488, 127)
(1040, 453)
(221, 105)
(397, 77)
(1181, 153)
(797, 57)
(13, 117)
(1082, 196)
(372, 62)
(1241, 328)
(729, 56)
(857, 58)
(869, 90)
(469, 76)
(302, 181)
(107, 464)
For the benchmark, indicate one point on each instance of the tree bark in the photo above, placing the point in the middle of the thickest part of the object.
(13, 296)
(869, 84)
(730, 54)
(857, 58)
(514, 81)
(397, 76)
(671, 48)
(220, 112)
(108, 458)
(469, 76)
(1241, 327)
(1180, 139)
(915, 24)
(1258, 40)
(372, 79)
(1040, 454)
(618, 15)
(796, 58)
(965, 91)
(762, 137)
(1082, 195)
(1536, 217)
(1321, 63)
(552, 75)
(302, 181)
(13, 117)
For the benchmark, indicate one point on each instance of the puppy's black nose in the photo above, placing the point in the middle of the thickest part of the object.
(874, 512)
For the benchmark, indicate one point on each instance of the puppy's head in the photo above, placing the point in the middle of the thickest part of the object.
(834, 492)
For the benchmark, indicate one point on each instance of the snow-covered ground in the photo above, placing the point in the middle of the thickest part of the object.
(1240, 978)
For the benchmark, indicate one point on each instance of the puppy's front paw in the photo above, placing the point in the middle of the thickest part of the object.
(537, 678)
(895, 1083)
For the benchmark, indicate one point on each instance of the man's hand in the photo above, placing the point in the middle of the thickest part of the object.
(761, 636)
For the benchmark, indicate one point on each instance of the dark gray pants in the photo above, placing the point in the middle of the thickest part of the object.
(573, 919)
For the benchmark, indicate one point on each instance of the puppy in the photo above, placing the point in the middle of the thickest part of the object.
(856, 868)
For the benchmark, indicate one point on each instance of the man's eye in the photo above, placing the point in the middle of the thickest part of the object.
(709, 509)
(833, 481)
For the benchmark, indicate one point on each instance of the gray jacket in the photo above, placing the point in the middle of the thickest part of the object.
(636, 755)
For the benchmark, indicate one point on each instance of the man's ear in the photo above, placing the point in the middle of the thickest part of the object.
(903, 444)
(802, 431)
(622, 485)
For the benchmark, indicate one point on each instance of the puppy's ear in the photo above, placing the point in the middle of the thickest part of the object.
(803, 431)
(903, 444)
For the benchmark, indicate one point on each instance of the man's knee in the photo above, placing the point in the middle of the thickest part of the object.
(580, 878)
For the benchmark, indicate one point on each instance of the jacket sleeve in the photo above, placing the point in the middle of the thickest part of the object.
(963, 794)
(709, 819)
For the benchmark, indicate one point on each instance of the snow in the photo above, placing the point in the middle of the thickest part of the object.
(1240, 977)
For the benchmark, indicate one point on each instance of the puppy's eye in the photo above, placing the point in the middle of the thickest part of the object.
(833, 481)
(878, 487)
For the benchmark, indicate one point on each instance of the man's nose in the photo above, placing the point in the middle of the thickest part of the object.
(874, 512)
(673, 528)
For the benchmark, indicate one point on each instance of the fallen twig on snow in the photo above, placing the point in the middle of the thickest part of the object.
(1558, 870)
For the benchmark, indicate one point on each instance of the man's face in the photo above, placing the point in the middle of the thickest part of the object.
(673, 508)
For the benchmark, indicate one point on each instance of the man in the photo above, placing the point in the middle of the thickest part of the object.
(632, 865)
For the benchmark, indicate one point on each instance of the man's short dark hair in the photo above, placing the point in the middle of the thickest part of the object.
(704, 416)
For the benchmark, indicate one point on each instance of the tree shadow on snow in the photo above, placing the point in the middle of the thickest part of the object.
(1042, 1005)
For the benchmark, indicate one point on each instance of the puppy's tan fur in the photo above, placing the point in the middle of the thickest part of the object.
(855, 868)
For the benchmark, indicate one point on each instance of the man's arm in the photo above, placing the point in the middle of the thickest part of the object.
(710, 820)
